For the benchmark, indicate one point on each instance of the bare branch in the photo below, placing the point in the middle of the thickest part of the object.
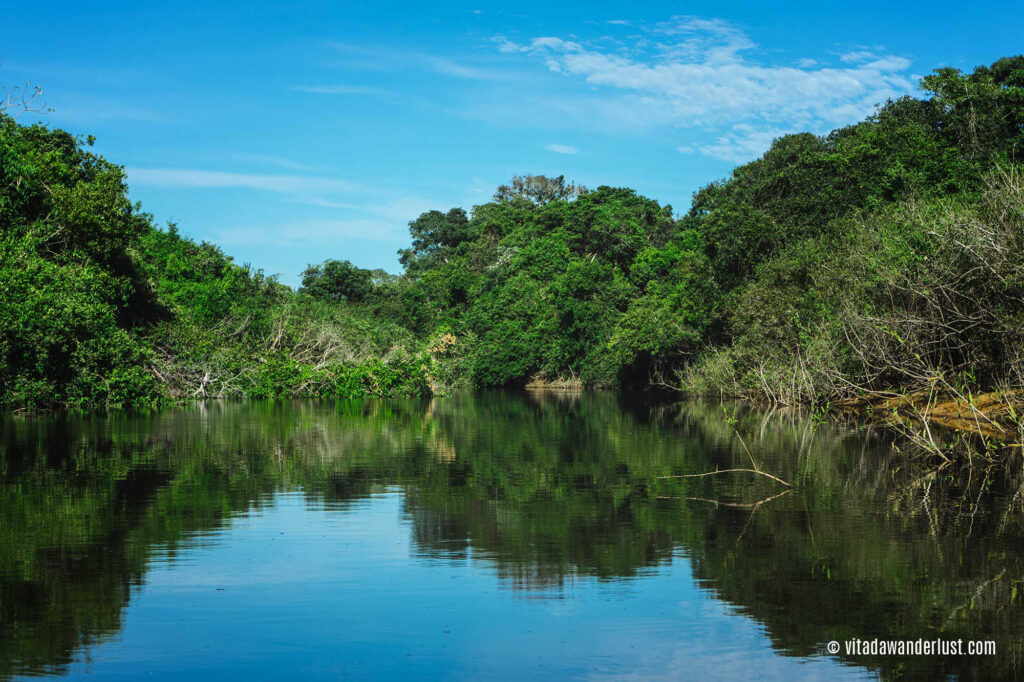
(23, 100)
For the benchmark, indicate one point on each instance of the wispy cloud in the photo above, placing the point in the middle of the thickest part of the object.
(327, 203)
(315, 233)
(742, 143)
(279, 161)
(383, 218)
(380, 205)
(562, 149)
(193, 178)
(340, 90)
(450, 67)
(856, 56)
(388, 59)
(703, 73)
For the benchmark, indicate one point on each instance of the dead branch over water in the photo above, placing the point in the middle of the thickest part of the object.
(729, 471)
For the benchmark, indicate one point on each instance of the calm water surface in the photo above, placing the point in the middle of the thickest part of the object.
(490, 535)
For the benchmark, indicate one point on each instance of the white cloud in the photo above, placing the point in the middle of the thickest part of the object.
(729, 88)
(387, 211)
(271, 160)
(193, 178)
(704, 73)
(713, 41)
(339, 90)
(857, 56)
(561, 149)
(322, 233)
(685, 150)
(449, 67)
(742, 143)
(553, 43)
(382, 218)
(390, 59)
(505, 45)
(327, 203)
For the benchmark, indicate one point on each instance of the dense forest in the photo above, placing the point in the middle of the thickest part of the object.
(883, 258)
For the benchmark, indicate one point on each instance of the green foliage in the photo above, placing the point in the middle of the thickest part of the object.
(667, 323)
(770, 280)
(284, 377)
(918, 293)
(775, 281)
(337, 281)
(538, 189)
(803, 183)
(201, 284)
(541, 283)
(71, 293)
(982, 113)
(100, 307)
(435, 237)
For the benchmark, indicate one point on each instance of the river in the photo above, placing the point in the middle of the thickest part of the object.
(493, 535)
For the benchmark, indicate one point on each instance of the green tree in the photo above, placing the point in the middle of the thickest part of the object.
(435, 237)
(335, 280)
(539, 189)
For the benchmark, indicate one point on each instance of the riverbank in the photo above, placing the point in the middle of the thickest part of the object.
(992, 415)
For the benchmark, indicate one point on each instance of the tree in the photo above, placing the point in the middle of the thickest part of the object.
(71, 292)
(983, 112)
(435, 236)
(539, 189)
(335, 280)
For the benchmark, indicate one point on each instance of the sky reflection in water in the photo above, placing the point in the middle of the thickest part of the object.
(493, 535)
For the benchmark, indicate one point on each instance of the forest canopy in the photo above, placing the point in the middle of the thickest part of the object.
(884, 255)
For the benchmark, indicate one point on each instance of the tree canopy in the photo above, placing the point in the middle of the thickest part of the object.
(775, 280)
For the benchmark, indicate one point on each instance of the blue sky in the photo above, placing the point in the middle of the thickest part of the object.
(290, 132)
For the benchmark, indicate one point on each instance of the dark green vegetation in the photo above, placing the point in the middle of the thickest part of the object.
(887, 255)
(98, 306)
(883, 257)
(548, 489)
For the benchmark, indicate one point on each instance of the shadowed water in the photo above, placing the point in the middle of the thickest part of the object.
(491, 535)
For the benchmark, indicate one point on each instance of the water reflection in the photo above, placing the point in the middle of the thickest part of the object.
(562, 497)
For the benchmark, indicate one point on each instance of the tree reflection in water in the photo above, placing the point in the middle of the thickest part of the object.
(545, 489)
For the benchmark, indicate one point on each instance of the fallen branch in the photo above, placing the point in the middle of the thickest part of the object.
(737, 505)
(728, 471)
